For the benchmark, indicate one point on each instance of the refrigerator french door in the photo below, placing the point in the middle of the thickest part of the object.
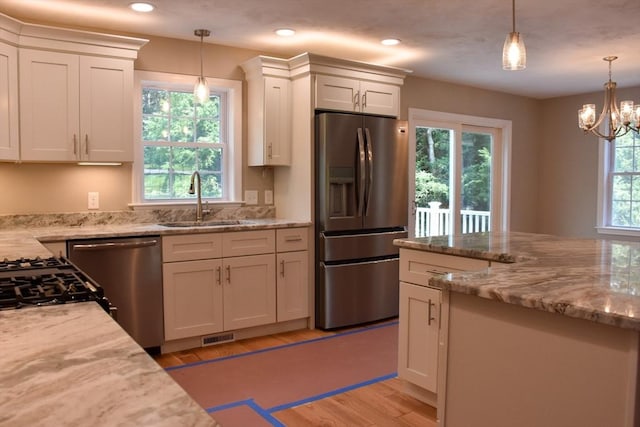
(361, 206)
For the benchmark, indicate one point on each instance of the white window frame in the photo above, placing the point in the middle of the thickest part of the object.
(605, 165)
(501, 158)
(232, 166)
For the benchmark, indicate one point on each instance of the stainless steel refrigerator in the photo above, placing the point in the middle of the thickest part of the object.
(361, 206)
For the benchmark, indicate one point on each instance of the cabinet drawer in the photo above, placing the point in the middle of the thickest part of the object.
(419, 266)
(291, 239)
(191, 247)
(249, 243)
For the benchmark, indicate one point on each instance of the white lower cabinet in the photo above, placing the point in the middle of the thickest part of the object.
(217, 293)
(292, 283)
(424, 320)
(249, 291)
(215, 282)
(193, 298)
(419, 329)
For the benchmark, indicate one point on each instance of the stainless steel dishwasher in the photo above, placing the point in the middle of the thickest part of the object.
(130, 271)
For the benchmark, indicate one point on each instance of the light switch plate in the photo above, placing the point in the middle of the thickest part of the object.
(251, 197)
(93, 200)
(268, 197)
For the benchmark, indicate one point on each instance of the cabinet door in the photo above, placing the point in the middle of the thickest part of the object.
(380, 98)
(292, 285)
(8, 102)
(249, 291)
(337, 93)
(192, 298)
(418, 335)
(106, 109)
(277, 121)
(49, 116)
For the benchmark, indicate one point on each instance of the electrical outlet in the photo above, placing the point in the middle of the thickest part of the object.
(93, 200)
(251, 197)
(268, 197)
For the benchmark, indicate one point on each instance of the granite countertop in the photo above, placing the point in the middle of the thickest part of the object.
(72, 365)
(597, 280)
(24, 242)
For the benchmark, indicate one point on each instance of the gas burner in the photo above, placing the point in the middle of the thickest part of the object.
(32, 263)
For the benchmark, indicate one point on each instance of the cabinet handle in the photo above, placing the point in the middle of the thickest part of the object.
(219, 271)
(86, 144)
(75, 144)
(282, 268)
(228, 274)
(430, 314)
(269, 151)
(432, 271)
(356, 100)
(364, 100)
(292, 238)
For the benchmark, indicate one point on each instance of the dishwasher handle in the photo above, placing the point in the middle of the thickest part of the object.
(111, 245)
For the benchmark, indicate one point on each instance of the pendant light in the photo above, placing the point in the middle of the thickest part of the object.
(201, 89)
(618, 121)
(514, 55)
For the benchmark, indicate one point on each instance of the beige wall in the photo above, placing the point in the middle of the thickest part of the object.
(525, 116)
(568, 179)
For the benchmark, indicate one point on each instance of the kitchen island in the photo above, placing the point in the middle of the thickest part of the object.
(546, 334)
(72, 365)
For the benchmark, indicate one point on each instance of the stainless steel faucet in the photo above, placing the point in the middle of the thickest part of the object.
(198, 192)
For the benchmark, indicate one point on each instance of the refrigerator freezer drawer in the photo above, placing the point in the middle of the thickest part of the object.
(349, 294)
(359, 246)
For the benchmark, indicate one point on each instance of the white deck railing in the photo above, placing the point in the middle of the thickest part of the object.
(433, 221)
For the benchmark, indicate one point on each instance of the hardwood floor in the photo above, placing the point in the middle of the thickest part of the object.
(380, 404)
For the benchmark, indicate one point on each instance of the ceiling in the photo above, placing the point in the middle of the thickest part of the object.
(458, 41)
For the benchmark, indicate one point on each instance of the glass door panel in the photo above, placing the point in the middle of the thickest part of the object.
(475, 188)
(432, 200)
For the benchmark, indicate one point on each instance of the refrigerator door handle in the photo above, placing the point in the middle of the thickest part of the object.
(369, 168)
(362, 173)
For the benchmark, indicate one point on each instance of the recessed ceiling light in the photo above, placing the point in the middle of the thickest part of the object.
(390, 42)
(142, 7)
(285, 32)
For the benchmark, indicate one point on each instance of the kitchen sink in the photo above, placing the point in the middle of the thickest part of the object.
(210, 223)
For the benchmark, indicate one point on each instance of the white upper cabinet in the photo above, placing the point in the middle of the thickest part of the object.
(75, 107)
(269, 109)
(8, 102)
(75, 94)
(353, 95)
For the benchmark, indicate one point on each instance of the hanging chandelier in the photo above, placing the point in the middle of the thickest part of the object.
(619, 121)
(201, 89)
(514, 55)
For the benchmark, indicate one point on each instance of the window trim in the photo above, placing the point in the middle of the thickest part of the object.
(233, 161)
(605, 165)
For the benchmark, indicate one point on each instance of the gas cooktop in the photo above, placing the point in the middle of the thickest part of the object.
(36, 282)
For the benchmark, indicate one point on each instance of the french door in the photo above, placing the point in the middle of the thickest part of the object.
(460, 174)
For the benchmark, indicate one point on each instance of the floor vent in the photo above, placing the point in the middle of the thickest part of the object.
(217, 339)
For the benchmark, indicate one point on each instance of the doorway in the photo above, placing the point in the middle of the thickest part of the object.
(460, 175)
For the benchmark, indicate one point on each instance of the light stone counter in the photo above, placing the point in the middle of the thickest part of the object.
(72, 365)
(597, 280)
(24, 242)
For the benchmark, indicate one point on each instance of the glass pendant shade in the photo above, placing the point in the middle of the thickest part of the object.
(201, 90)
(514, 55)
